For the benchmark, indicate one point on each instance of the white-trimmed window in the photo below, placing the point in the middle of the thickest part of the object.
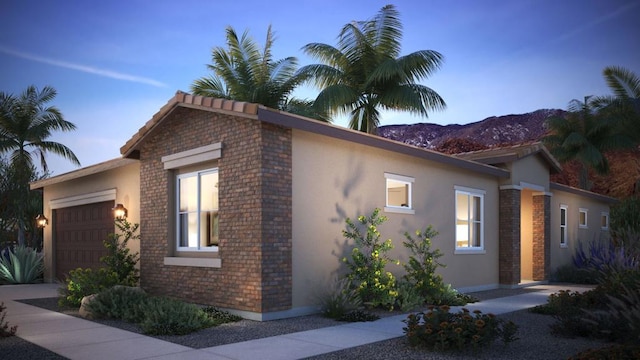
(197, 211)
(399, 193)
(469, 219)
(604, 220)
(582, 218)
(563, 225)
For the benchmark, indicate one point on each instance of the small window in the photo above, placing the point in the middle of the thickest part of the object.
(197, 211)
(563, 226)
(604, 221)
(469, 220)
(582, 220)
(399, 193)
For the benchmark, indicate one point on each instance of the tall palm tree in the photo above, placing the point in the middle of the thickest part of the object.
(244, 72)
(584, 136)
(365, 72)
(624, 105)
(26, 124)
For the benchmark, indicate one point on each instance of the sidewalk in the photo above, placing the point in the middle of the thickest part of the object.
(76, 338)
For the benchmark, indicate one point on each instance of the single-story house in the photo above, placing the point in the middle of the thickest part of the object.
(242, 207)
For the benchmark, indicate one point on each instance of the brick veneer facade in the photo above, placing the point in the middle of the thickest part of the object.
(509, 236)
(541, 236)
(255, 212)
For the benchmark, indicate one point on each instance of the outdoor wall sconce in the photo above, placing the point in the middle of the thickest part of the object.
(120, 212)
(41, 221)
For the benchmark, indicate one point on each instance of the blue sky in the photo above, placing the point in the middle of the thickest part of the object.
(115, 63)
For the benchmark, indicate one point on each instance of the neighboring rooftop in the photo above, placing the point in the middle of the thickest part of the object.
(500, 155)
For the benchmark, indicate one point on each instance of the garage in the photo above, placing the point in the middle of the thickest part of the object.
(78, 233)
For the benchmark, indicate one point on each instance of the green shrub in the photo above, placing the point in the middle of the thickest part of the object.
(21, 265)
(567, 301)
(620, 321)
(120, 268)
(375, 285)
(83, 282)
(5, 329)
(423, 263)
(339, 299)
(421, 271)
(570, 274)
(220, 316)
(119, 302)
(164, 316)
(624, 215)
(409, 297)
(358, 316)
(438, 329)
(156, 315)
(612, 352)
(609, 311)
(119, 258)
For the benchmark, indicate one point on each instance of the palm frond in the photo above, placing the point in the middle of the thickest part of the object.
(420, 64)
(211, 86)
(386, 31)
(56, 148)
(623, 82)
(337, 98)
(306, 108)
(322, 75)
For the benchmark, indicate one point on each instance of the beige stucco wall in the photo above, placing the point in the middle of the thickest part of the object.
(125, 180)
(563, 255)
(530, 170)
(334, 179)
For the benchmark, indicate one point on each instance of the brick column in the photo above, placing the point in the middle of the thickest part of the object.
(509, 237)
(541, 236)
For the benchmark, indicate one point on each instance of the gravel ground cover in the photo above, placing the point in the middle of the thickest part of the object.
(535, 341)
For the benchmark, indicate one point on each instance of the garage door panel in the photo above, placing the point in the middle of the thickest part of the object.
(78, 235)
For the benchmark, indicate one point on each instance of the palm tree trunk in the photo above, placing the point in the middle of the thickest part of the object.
(585, 183)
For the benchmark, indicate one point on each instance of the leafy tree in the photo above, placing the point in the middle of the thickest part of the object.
(244, 72)
(582, 134)
(365, 72)
(624, 105)
(26, 124)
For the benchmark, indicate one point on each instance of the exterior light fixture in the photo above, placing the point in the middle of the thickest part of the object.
(120, 212)
(41, 221)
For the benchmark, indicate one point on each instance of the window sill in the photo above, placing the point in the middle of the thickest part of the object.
(194, 262)
(583, 227)
(470, 252)
(565, 246)
(399, 210)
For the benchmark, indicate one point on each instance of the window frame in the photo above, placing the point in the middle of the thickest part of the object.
(177, 221)
(408, 181)
(564, 233)
(584, 225)
(604, 215)
(470, 193)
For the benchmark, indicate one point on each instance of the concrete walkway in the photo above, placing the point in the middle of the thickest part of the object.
(76, 338)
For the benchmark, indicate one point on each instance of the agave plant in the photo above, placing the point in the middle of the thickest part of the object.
(21, 265)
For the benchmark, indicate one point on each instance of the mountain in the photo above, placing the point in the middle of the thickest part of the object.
(492, 131)
(622, 180)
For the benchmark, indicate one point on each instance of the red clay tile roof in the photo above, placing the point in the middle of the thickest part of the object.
(231, 107)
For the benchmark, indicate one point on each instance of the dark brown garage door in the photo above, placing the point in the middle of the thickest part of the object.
(78, 235)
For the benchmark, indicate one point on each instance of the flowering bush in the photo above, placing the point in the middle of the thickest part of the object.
(439, 329)
(375, 285)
